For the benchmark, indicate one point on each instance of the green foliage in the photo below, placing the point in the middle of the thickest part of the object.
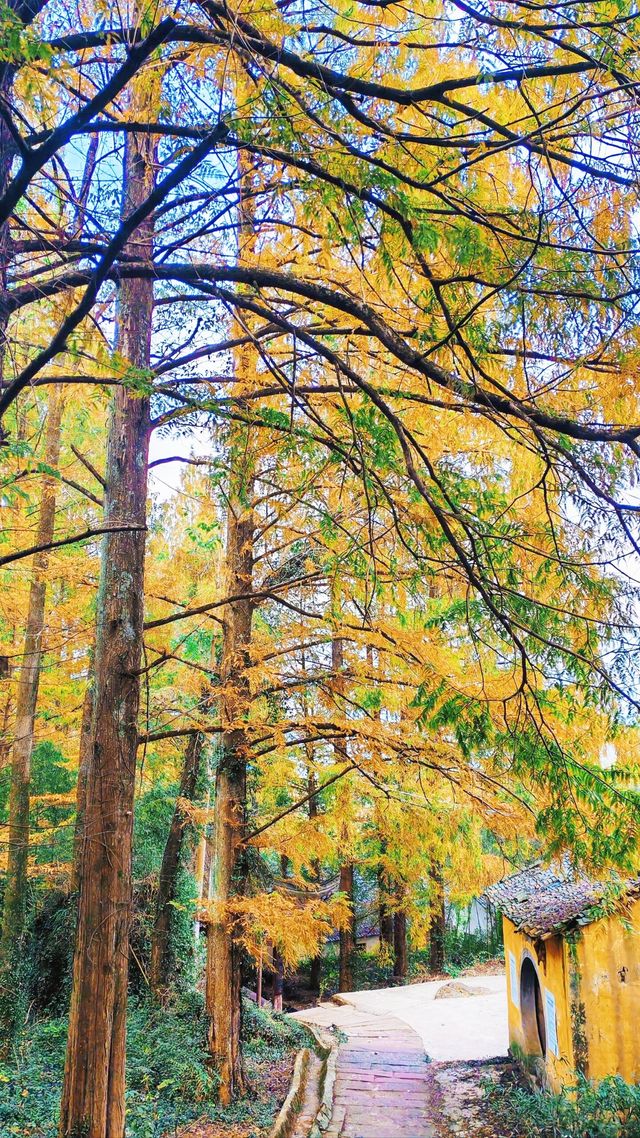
(609, 1109)
(153, 814)
(372, 970)
(369, 971)
(19, 44)
(268, 1035)
(49, 775)
(50, 954)
(169, 1081)
(461, 950)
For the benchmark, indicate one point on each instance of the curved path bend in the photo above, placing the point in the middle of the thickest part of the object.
(418, 1073)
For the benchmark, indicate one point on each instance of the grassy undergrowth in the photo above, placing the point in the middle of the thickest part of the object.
(169, 1083)
(609, 1109)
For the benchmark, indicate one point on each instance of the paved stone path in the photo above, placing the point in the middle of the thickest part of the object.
(383, 1086)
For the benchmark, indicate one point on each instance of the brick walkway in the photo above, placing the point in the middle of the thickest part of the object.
(383, 1087)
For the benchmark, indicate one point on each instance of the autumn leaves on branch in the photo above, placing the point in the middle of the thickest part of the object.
(372, 274)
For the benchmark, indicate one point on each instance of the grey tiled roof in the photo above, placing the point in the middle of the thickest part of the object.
(540, 900)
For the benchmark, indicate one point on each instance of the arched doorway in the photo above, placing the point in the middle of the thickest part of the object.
(532, 1010)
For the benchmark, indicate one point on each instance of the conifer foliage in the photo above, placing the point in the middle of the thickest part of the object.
(319, 425)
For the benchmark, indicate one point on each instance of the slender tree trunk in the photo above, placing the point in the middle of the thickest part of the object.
(437, 922)
(198, 869)
(7, 716)
(347, 942)
(347, 934)
(27, 697)
(205, 880)
(93, 1098)
(277, 990)
(84, 758)
(316, 963)
(399, 944)
(202, 867)
(160, 937)
(385, 913)
(228, 856)
(259, 975)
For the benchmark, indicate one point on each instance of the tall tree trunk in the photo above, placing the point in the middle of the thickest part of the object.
(228, 856)
(384, 911)
(312, 783)
(93, 1098)
(202, 867)
(84, 758)
(347, 941)
(13, 918)
(437, 923)
(399, 944)
(277, 989)
(347, 933)
(160, 937)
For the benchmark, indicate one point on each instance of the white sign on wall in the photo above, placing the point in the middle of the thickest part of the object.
(552, 1023)
(513, 981)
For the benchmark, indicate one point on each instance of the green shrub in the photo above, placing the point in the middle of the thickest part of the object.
(169, 1082)
(461, 950)
(372, 970)
(49, 955)
(269, 1035)
(153, 814)
(609, 1109)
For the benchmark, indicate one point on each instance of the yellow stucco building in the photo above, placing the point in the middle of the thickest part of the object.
(573, 974)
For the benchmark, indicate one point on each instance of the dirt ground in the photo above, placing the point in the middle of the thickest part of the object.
(459, 1104)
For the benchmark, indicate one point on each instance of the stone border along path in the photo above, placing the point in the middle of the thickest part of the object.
(383, 1087)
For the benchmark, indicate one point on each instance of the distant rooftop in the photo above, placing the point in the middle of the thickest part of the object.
(541, 900)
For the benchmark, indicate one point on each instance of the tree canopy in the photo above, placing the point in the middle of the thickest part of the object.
(320, 429)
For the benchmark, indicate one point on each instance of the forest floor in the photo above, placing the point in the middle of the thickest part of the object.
(270, 1085)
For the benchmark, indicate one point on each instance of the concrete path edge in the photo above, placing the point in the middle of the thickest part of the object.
(326, 1048)
(285, 1121)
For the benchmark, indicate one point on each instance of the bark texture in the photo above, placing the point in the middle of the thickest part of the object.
(228, 857)
(399, 944)
(84, 758)
(347, 933)
(384, 911)
(160, 967)
(437, 923)
(13, 917)
(315, 974)
(277, 988)
(347, 942)
(93, 1099)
